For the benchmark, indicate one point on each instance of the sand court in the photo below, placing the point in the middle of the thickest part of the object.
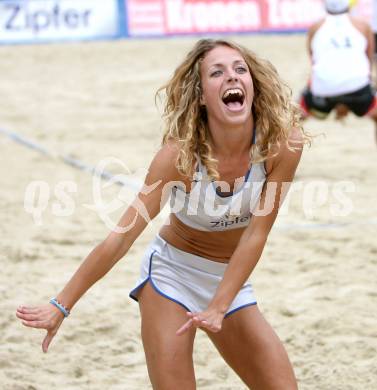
(315, 283)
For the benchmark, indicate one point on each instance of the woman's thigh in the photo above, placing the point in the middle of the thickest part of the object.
(251, 347)
(169, 357)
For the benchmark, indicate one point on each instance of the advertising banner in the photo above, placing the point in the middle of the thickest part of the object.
(170, 17)
(51, 20)
(30, 21)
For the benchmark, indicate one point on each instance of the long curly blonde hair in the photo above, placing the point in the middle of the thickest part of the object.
(186, 120)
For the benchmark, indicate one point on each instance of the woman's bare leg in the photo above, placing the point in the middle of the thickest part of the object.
(251, 347)
(169, 357)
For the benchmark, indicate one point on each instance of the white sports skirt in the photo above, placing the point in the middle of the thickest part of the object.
(189, 280)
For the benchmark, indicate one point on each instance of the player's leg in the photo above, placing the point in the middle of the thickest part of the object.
(364, 103)
(315, 106)
(169, 357)
(341, 111)
(251, 347)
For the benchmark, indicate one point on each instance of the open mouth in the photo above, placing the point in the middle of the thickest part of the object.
(233, 98)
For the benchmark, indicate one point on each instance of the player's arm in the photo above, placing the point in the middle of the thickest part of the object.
(145, 207)
(252, 242)
(104, 256)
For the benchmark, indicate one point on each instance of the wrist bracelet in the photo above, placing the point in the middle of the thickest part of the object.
(63, 309)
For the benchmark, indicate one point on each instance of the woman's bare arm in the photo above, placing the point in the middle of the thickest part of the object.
(145, 207)
(105, 255)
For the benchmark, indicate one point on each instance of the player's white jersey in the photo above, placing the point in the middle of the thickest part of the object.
(339, 60)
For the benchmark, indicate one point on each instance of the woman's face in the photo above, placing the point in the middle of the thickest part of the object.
(227, 86)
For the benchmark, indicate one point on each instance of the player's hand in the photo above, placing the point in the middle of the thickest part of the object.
(46, 317)
(211, 319)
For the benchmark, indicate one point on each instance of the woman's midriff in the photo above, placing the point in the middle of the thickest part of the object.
(218, 246)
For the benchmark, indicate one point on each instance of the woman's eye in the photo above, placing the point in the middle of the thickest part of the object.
(241, 69)
(216, 73)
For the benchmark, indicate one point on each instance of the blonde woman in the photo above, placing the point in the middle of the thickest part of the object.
(231, 136)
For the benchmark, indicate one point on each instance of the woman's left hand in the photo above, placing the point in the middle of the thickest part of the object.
(211, 319)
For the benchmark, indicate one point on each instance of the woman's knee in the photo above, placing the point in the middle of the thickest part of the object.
(170, 365)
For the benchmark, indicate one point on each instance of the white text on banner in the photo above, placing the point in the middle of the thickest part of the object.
(169, 17)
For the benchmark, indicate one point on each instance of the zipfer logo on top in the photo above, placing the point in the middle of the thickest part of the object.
(229, 222)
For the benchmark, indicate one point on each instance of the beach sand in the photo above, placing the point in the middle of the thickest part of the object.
(316, 280)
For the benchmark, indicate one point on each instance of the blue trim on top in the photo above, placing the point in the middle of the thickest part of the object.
(246, 177)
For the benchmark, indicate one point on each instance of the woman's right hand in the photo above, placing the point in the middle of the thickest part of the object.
(46, 317)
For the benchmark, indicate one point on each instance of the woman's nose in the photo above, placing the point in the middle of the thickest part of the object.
(232, 75)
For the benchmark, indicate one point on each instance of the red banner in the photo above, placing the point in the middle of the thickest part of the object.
(168, 17)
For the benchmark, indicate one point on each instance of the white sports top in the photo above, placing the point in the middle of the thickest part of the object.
(339, 60)
(205, 209)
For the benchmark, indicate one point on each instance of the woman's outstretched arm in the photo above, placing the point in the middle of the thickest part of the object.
(104, 256)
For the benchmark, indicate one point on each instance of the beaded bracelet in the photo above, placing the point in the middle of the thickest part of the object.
(63, 309)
